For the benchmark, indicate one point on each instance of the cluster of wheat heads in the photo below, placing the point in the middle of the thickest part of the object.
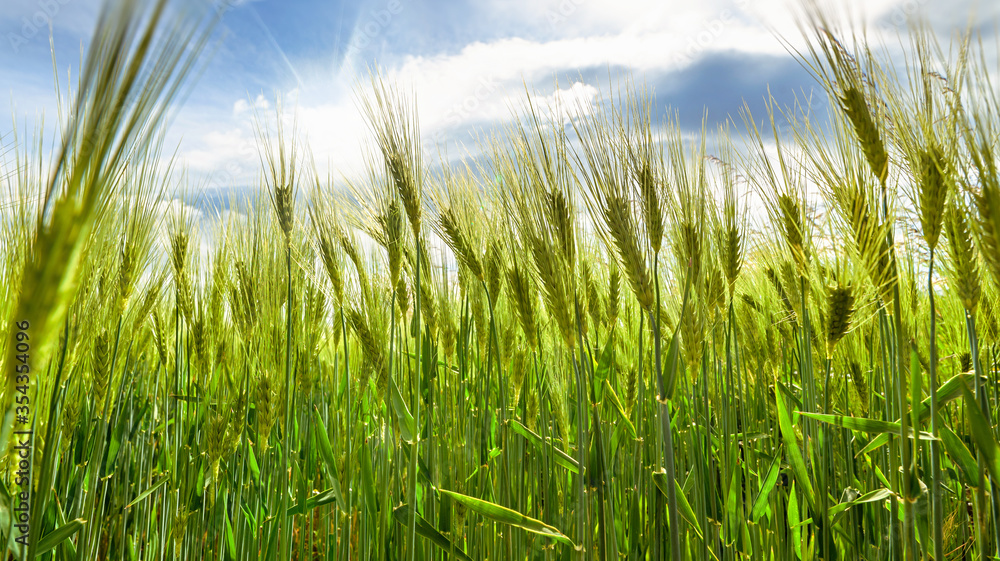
(576, 346)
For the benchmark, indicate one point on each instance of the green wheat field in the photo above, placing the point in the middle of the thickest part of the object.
(604, 339)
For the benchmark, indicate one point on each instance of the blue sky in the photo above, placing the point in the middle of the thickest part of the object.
(467, 62)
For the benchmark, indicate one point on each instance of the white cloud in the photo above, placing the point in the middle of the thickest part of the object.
(479, 84)
(575, 100)
(218, 149)
(242, 106)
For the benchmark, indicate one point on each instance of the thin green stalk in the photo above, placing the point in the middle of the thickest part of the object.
(414, 450)
(350, 437)
(284, 525)
(664, 410)
(937, 524)
(583, 532)
(909, 542)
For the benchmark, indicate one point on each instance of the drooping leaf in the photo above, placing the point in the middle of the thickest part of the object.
(948, 391)
(794, 519)
(368, 481)
(326, 450)
(507, 516)
(402, 515)
(838, 510)
(760, 503)
(326, 497)
(147, 493)
(794, 452)
(982, 433)
(55, 537)
(660, 479)
(604, 365)
(407, 426)
(960, 454)
(864, 425)
(616, 404)
(561, 458)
